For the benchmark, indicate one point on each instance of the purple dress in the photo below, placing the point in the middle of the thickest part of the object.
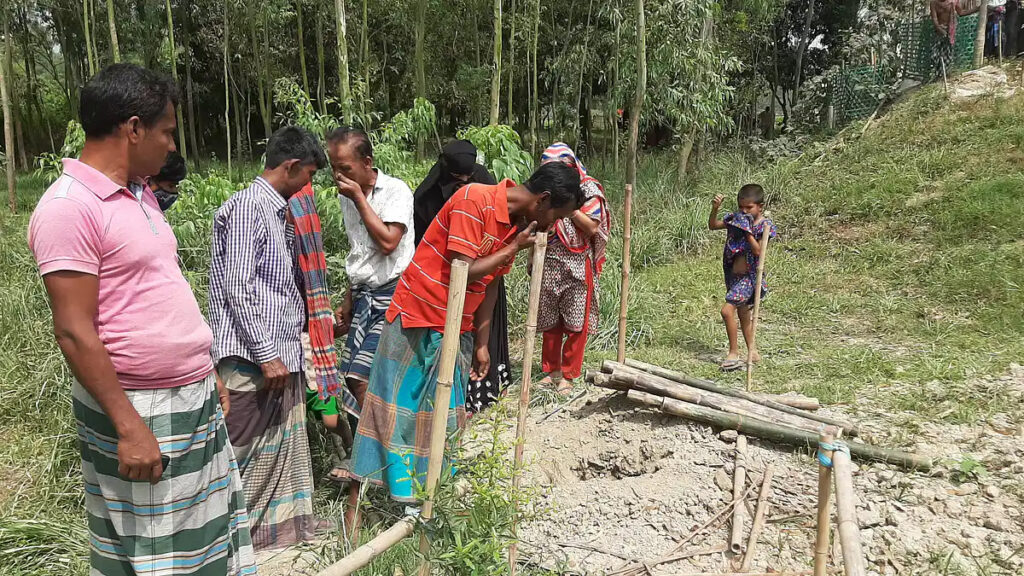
(740, 287)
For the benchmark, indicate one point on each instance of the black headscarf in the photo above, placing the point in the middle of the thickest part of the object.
(457, 157)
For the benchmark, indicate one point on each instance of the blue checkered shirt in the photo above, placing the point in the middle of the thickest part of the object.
(256, 307)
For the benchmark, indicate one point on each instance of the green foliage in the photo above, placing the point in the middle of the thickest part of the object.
(393, 142)
(966, 469)
(471, 532)
(502, 151)
(49, 165)
(295, 107)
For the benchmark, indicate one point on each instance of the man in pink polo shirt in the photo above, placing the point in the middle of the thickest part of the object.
(162, 489)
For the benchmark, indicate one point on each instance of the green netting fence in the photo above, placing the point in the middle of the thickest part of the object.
(918, 38)
(856, 92)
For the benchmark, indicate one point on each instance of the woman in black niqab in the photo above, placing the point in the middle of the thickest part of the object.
(456, 167)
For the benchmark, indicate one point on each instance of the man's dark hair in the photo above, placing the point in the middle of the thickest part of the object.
(121, 91)
(294, 143)
(346, 133)
(751, 192)
(174, 169)
(561, 180)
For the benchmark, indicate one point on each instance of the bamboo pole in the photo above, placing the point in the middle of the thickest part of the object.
(798, 402)
(739, 480)
(539, 250)
(759, 516)
(821, 543)
(372, 549)
(627, 235)
(846, 515)
(752, 345)
(630, 379)
(850, 428)
(443, 394)
(771, 431)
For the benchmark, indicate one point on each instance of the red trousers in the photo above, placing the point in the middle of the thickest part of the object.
(568, 359)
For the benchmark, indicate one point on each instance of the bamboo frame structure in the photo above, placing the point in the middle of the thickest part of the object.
(759, 517)
(752, 345)
(627, 235)
(821, 542)
(443, 394)
(850, 428)
(539, 250)
(739, 480)
(846, 515)
(772, 431)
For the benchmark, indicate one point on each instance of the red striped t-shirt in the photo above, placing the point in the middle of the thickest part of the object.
(474, 222)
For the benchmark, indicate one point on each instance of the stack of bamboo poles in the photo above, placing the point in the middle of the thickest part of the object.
(751, 414)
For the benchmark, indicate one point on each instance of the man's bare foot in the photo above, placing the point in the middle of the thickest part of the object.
(732, 361)
(755, 357)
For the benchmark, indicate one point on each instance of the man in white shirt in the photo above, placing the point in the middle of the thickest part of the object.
(378, 214)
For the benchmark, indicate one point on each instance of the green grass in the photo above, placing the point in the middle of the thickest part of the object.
(898, 263)
(896, 278)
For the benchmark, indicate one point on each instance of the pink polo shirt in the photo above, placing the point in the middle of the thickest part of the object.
(147, 316)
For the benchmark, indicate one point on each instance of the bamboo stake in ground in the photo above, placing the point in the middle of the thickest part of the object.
(443, 393)
(828, 435)
(739, 480)
(627, 234)
(539, 250)
(759, 516)
(752, 345)
(846, 515)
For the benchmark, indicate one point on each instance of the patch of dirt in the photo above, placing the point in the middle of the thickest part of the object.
(625, 483)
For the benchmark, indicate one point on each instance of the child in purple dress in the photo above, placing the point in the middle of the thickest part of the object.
(739, 263)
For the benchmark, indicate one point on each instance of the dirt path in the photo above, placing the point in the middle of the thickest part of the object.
(626, 483)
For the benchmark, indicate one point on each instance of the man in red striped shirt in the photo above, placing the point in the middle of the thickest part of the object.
(484, 226)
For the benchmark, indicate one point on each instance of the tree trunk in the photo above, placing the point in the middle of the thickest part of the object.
(227, 87)
(343, 80)
(302, 46)
(804, 41)
(638, 100)
(534, 98)
(579, 88)
(245, 151)
(268, 81)
(88, 39)
(8, 123)
(684, 155)
(979, 38)
(421, 74)
(321, 91)
(190, 109)
(113, 32)
(496, 70)
(240, 145)
(511, 63)
(92, 20)
(174, 74)
(260, 69)
(364, 46)
(612, 96)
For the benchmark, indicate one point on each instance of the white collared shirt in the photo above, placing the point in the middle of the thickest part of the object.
(391, 200)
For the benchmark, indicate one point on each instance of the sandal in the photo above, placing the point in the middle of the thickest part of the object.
(564, 387)
(337, 475)
(547, 380)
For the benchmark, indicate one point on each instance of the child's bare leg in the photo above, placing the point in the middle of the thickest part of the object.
(745, 313)
(729, 317)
